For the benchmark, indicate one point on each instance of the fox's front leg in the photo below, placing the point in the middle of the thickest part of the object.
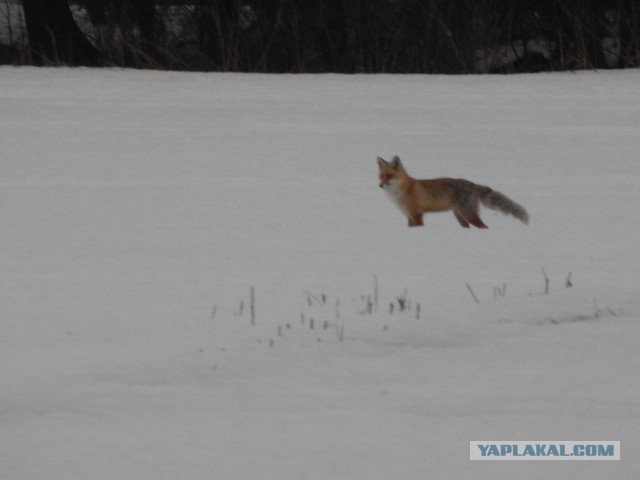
(415, 219)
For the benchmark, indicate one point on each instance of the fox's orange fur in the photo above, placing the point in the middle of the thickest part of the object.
(417, 197)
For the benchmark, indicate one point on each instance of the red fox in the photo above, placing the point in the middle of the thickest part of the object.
(417, 197)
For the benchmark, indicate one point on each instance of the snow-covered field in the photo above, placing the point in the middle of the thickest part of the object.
(139, 211)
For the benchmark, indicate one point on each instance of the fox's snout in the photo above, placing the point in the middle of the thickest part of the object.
(385, 178)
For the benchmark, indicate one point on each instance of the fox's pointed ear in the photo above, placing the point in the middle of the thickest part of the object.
(381, 162)
(395, 163)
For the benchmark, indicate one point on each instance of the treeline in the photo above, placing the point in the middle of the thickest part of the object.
(399, 36)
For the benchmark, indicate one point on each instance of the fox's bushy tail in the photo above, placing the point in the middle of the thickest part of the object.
(498, 201)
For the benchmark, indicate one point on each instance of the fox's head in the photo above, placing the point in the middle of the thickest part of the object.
(390, 172)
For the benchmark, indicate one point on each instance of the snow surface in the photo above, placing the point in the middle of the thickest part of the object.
(139, 209)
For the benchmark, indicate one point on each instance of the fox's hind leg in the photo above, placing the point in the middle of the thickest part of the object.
(463, 223)
(474, 219)
(468, 207)
(469, 217)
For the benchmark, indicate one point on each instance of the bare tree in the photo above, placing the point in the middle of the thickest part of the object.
(54, 36)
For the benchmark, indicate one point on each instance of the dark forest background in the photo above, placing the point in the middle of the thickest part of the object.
(348, 36)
